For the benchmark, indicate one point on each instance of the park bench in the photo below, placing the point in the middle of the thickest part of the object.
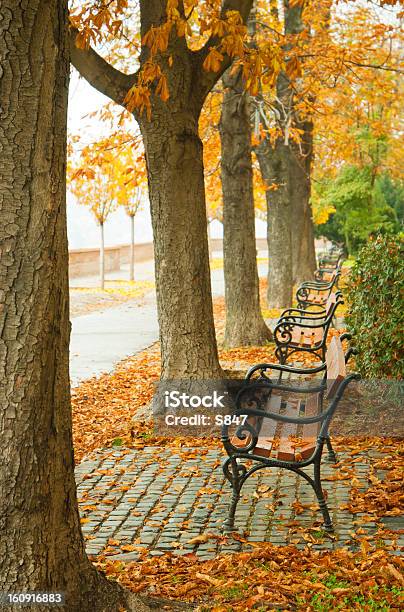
(326, 269)
(317, 292)
(331, 254)
(283, 431)
(331, 259)
(305, 330)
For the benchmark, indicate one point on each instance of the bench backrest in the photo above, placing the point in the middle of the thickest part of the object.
(332, 298)
(331, 261)
(336, 367)
(333, 301)
(333, 282)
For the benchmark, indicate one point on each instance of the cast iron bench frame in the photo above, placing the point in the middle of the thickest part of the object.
(316, 292)
(327, 269)
(242, 444)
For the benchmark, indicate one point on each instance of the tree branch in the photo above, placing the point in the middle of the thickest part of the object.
(99, 73)
(205, 80)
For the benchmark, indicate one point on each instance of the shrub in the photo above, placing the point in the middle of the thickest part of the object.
(375, 295)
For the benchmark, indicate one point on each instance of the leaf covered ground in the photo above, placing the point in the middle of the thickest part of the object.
(268, 577)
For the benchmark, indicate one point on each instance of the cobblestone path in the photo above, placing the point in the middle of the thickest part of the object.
(162, 499)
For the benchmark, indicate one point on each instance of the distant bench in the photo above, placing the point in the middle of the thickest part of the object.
(317, 292)
(305, 330)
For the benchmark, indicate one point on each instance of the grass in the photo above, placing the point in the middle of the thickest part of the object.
(330, 599)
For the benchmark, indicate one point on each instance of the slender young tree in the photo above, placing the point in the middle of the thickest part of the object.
(169, 125)
(41, 544)
(244, 322)
(107, 174)
(132, 207)
(97, 188)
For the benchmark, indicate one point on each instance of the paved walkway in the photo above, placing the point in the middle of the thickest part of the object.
(144, 271)
(160, 500)
(103, 338)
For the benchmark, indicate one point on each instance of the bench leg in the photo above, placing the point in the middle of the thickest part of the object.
(281, 353)
(332, 457)
(328, 526)
(228, 525)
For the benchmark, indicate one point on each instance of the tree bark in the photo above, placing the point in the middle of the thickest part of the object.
(274, 164)
(290, 229)
(132, 248)
(209, 232)
(304, 260)
(178, 212)
(41, 545)
(244, 322)
(102, 257)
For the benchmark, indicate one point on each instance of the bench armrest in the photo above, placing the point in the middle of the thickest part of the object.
(320, 285)
(307, 315)
(284, 368)
(351, 351)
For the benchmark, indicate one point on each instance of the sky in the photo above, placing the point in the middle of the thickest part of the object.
(83, 231)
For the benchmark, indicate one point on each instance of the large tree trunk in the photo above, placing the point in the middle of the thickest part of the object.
(304, 261)
(305, 264)
(244, 322)
(41, 545)
(178, 212)
(274, 164)
(290, 230)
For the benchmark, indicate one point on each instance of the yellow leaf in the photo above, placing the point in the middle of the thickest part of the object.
(200, 539)
(208, 578)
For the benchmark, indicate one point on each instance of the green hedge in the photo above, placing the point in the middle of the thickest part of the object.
(375, 295)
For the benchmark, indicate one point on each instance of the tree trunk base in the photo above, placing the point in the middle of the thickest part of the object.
(253, 333)
(281, 301)
(109, 596)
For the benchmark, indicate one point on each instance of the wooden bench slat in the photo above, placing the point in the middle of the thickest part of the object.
(286, 450)
(302, 336)
(336, 367)
(310, 430)
(332, 298)
(268, 428)
(314, 335)
(316, 298)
